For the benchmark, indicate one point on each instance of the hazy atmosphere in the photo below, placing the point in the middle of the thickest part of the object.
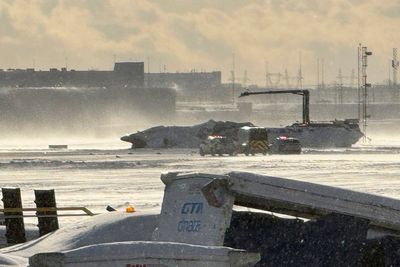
(202, 35)
(197, 133)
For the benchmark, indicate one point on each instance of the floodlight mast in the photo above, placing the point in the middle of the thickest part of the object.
(306, 99)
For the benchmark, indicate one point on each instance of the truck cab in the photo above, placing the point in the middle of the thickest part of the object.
(252, 140)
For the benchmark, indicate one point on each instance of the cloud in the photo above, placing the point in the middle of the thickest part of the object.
(187, 34)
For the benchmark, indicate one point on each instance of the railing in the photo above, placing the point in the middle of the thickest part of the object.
(86, 212)
(46, 212)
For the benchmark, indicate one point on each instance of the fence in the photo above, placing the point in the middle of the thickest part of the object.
(46, 211)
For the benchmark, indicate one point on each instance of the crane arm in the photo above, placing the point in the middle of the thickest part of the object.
(304, 93)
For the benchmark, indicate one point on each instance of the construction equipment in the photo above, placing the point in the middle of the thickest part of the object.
(335, 133)
(306, 99)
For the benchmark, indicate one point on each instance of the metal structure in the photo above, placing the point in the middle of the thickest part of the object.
(359, 81)
(272, 79)
(86, 212)
(304, 93)
(363, 54)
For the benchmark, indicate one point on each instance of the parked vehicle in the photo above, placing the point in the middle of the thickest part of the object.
(252, 140)
(218, 145)
(285, 145)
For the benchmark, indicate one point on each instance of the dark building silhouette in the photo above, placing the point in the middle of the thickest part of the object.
(125, 74)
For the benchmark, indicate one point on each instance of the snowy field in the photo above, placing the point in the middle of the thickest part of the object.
(116, 176)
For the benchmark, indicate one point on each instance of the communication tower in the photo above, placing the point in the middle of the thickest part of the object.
(364, 85)
(359, 79)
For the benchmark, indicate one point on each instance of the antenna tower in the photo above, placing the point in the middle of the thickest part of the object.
(359, 82)
(364, 64)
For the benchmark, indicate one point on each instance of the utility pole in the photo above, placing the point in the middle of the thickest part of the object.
(233, 78)
(317, 72)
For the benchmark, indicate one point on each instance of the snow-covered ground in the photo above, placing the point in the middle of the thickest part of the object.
(116, 177)
(103, 172)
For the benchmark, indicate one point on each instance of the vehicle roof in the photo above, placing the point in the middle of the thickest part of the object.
(251, 127)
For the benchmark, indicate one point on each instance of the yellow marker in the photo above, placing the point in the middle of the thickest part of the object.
(130, 209)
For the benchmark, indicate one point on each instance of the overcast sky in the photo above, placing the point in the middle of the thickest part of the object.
(201, 35)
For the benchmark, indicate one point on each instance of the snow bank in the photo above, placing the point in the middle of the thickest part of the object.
(104, 228)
